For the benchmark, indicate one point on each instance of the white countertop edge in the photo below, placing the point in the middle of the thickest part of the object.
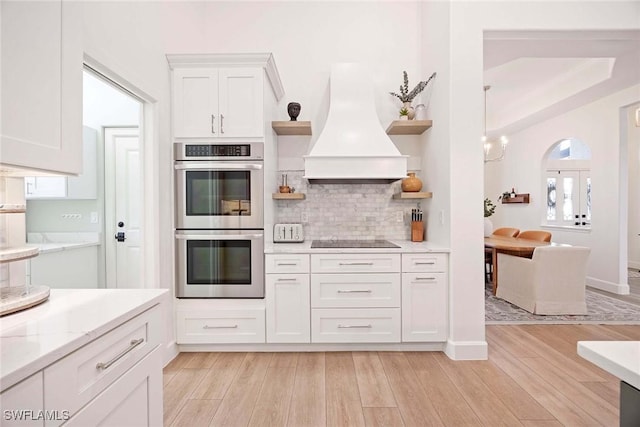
(619, 358)
(73, 340)
(406, 246)
(46, 248)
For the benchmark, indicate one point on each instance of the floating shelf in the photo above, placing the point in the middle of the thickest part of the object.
(408, 127)
(288, 196)
(18, 253)
(291, 127)
(414, 195)
(7, 208)
(520, 198)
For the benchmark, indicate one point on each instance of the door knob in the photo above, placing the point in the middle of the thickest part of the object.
(120, 236)
(120, 224)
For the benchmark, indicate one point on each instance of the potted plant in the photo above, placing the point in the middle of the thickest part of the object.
(407, 96)
(404, 113)
(489, 209)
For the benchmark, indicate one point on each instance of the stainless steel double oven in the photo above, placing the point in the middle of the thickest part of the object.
(219, 220)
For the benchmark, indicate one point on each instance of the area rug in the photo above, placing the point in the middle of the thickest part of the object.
(600, 309)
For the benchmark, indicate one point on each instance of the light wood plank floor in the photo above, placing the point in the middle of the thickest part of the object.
(533, 377)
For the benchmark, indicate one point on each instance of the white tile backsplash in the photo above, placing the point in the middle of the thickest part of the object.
(347, 211)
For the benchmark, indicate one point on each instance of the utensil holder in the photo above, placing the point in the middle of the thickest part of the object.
(417, 231)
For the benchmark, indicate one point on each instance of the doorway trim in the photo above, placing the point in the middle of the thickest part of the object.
(150, 245)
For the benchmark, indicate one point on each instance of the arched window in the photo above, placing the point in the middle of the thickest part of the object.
(568, 184)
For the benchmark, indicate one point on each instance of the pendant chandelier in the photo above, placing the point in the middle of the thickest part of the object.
(488, 143)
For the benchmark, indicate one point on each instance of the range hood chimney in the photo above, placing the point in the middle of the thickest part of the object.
(353, 147)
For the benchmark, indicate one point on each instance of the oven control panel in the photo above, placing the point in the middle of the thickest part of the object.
(288, 233)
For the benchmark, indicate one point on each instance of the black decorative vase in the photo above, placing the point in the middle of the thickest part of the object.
(293, 108)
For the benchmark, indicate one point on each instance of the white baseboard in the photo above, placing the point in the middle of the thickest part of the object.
(170, 352)
(467, 350)
(633, 264)
(260, 347)
(614, 288)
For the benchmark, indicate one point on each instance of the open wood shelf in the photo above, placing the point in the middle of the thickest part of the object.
(520, 198)
(7, 208)
(18, 253)
(408, 127)
(291, 127)
(288, 196)
(414, 195)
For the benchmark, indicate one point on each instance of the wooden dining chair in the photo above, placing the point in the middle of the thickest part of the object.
(488, 253)
(538, 235)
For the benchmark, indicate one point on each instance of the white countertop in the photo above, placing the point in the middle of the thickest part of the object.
(34, 338)
(49, 242)
(305, 247)
(619, 358)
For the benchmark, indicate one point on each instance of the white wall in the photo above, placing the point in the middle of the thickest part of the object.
(597, 125)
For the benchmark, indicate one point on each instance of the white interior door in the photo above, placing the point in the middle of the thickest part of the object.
(123, 202)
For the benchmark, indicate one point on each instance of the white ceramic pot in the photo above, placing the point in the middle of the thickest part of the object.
(488, 227)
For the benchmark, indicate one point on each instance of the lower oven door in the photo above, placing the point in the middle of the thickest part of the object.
(220, 264)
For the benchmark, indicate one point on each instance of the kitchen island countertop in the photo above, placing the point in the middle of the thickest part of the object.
(34, 338)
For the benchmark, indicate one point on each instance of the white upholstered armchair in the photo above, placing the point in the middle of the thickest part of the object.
(551, 282)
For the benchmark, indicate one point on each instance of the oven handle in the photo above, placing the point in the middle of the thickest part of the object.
(219, 236)
(217, 166)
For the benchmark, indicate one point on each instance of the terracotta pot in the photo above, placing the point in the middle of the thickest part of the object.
(412, 183)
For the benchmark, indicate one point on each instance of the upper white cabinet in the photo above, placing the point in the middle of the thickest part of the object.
(221, 96)
(41, 68)
(83, 186)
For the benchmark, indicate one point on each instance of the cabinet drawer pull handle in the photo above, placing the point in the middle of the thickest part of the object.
(354, 326)
(425, 263)
(355, 263)
(133, 344)
(222, 124)
(425, 278)
(354, 291)
(286, 280)
(287, 263)
(220, 327)
(213, 130)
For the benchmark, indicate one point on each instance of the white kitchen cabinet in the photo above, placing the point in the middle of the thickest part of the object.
(355, 263)
(424, 298)
(135, 399)
(288, 310)
(25, 396)
(218, 103)
(52, 268)
(218, 96)
(41, 71)
(221, 325)
(355, 290)
(358, 325)
(83, 186)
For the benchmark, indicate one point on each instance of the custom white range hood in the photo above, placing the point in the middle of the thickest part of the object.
(353, 147)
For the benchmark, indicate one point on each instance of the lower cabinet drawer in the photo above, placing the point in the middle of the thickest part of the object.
(76, 379)
(221, 326)
(355, 290)
(358, 325)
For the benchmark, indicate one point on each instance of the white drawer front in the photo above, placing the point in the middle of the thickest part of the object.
(221, 326)
(355, 263)
(286, 263)
(424, 262)
(355, 290)
(74, 380)
(361, 325)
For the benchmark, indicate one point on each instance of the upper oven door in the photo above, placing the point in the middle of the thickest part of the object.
(226, 194)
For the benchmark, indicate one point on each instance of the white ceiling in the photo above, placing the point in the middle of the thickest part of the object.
(535, 75)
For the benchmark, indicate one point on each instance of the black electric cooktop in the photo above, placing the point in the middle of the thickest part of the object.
(340, 244)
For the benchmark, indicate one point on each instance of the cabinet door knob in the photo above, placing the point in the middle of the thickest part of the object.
(213, 129)
(222, 124)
